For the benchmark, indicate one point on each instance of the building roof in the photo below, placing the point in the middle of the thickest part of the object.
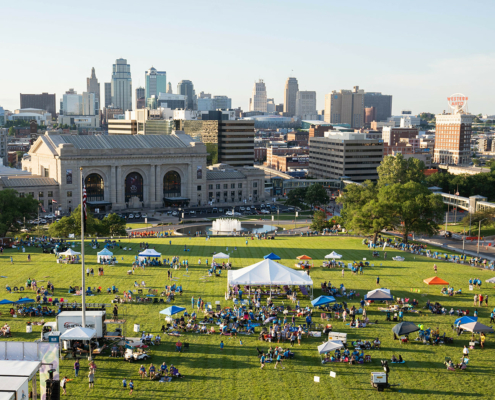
(120, 141)
(8, 171)
(232, 174)
(29, 181)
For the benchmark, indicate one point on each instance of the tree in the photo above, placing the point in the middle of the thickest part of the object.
(363, 212)
(13, 209)
(319, 221)
(11, 131)
(296, 197)
(412, 207)
(316, 195)
(114, 225)
(485, 216)
(400, 170)
(476, 161)
(72, 224)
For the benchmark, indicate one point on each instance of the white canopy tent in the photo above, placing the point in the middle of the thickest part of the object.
(491, 280)
(105, 254)
(14, 386)
(333, 255)
(330, 346)
(16, 369)
(220, 255)
(69, 252)
(268, 273)
(149, 253)
(78, 333)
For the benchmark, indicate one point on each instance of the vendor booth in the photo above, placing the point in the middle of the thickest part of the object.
(148, 253)
(268, 273)
(333, 255)
(220, 256)
(104, 257)
(68, 257)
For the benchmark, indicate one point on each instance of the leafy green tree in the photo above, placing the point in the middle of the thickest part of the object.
(364, 212)
(13, 209)
(476, 161)
(296, 197)
(319, 221)
(212, 150)
(486, 217)
(72, 224)
(412, 207)
(114, 225)
(11, 131)
(400, 170)
(316, 195)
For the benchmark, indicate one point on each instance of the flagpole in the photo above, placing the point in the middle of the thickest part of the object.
(83, 288)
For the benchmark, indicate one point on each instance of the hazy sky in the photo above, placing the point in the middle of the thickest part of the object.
(418, 51)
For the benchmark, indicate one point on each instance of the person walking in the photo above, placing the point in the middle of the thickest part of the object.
(492, 317)
(262, 361)
(377, 281)
(435, 268)
(91, 378)
(11, 260)
(29, 257)
(486, 300)
(131, 387)
(76, 367)
(343, 270)
(192, 302)
(475, 302)
(63, 384)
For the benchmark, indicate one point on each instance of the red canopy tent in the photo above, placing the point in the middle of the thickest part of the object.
(304, 257)
(435, 281)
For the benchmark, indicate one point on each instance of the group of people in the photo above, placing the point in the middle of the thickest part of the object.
(277, 355)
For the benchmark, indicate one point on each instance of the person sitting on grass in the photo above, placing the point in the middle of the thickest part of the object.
(394, 359)
(175, 372)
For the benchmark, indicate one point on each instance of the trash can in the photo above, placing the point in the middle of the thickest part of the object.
(29, 328)
(137, 327)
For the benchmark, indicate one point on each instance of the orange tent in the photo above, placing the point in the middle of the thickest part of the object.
(303, 257)
(435, 281)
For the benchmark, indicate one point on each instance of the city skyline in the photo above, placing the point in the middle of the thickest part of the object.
(418, 69)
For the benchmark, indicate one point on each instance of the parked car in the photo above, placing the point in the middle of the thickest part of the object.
(242, 208)
(220, 210)
(131, 216)
(264, 211)
(137, 215)
(229, 213)
(215, 210)
(144, 215)
(192, 212)
(175, 213)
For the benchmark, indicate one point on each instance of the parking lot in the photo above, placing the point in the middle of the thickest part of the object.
(237, 211)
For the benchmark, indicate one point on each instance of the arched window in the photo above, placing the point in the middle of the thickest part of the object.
(133, 186)
(95, 187)
(171, 184)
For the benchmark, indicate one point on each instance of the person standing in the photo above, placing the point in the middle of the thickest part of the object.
(76, 368)
(475, 302)
(131, 386)
(192, 302)
(486, 300)
(343, 270)
(91, 378)
(385, 255)
(11, 260)
(63, 384)
(29, 257)
(482, 340)
(435, 268)
(262, 361)
(377, 281)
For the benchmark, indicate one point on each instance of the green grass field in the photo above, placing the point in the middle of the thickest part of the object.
(485, 231)
(234, 372)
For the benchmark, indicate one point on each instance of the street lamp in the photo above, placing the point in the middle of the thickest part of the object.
(479, 233)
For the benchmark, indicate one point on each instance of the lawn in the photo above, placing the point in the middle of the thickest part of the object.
(485, 231)
(234, 372)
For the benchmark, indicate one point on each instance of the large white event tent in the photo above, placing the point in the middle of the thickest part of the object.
(220, 255)
(69, 252)
(268, 273)
(104, 255)
(149, 253)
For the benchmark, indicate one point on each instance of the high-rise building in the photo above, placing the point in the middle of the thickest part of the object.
(345, 107)
(169, 88)
(140, 98)
(270, 106)
(108, 94)
(258, 99)
(4, 152)
(186, 88)
(349, 154)
(156, 82)
(305, 104)
(382, 104)
(172, 101)
(203, 95)
(222, 102)
(43, 101)
(205, 104)
(2, 116)
(93, 86)
(290, 93)
(452, 139)
(72, 103)
(89, 104)
(122, 85)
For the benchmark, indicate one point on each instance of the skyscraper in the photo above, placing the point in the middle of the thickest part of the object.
(305, 104)
(169, 88)
(258, 101)
(156, 82)
(453, 138)
(43, 101)
(382, 104)
(186, 88)
(222, 102)
(108, 94)
(345, 107)
(89, 104)
(140, 98)
(291, 89)
(93, 86)
(122, 85)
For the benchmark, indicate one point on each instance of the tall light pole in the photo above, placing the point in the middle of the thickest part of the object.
(479, 233)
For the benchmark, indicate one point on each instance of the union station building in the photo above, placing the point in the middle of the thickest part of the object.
(123, 172)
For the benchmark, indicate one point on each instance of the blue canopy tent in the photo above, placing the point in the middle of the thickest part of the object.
(272, 256)
(172, 310)
(322, 300)
(463, 320)
(5, 301)
(24, 300)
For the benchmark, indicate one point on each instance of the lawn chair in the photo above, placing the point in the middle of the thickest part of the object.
(140, 291)
(219, 308)
(155, 300)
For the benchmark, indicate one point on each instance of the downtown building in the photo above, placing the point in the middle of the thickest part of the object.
(122, 85)
(258, 101)
(453, 138)
(290, 93)
(156, 82)
(306, 105)
(43, 101)
(344, 154)
(186, 88)
(345, 107)
(93, 86)
(382, 104)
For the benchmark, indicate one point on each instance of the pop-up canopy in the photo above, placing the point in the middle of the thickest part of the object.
(319, 301)
(333, 255)
(405, 328)
(78, 333)
(435, 281)
(149, 253)
(304, 257)
(104, 254)
(330, 346)
(271, 256)
(221, 255)
(69, 252)
(172, 310)
(491, 280)
(476, 327)
(379, 295)
(267, 272)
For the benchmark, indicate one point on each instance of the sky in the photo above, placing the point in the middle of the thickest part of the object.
(420, 52)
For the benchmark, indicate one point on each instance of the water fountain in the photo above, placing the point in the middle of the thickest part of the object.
(225, 225)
